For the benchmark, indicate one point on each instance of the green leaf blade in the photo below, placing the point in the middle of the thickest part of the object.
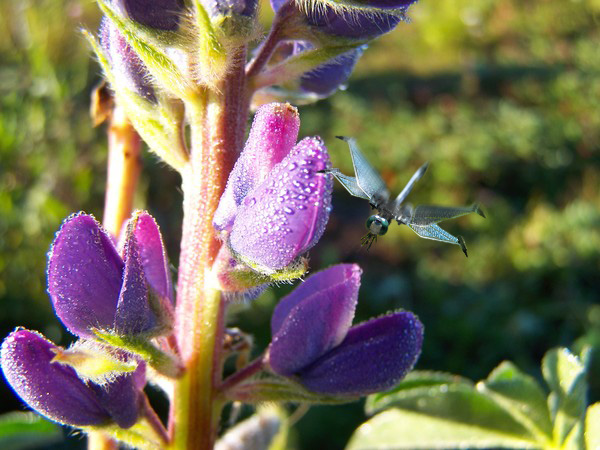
(401, 429)
(20, 430)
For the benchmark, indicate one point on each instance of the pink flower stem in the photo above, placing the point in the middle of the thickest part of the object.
(217, 119)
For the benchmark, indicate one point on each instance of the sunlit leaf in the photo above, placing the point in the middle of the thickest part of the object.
(19, 430)
(521, 396)
(401, 429)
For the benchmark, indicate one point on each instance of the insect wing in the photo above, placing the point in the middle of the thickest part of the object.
(430, 214)
(433, 232)
(402, 195)
(349, 183)
(367, 178)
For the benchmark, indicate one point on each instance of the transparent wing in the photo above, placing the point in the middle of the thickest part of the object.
(348, 182)
(435, 233)
(402, 195)
(367, 178)
(429, 214)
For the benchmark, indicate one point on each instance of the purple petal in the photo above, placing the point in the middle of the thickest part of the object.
(328, 78)
(153, 255)
(272, 136)
(51, 389)
(133, 315)
(286, 215)
(84, 276)
(123, 397)
(127, 66)
(374, 356)
(314, 318)
(159, 14)
(354, 23)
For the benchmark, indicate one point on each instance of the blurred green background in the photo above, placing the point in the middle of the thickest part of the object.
(501, 96)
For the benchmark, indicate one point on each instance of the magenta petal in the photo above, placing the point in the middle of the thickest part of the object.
(284, 216)
(153, 255)
(51, 389)
(374, 356)
(314, 318)
(272, 136)
(84, 276)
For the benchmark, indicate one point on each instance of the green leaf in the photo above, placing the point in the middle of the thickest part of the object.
(403, 429)
(521, 396)
(19, 430)
(410, 385)
(163, 362)
(462, 405)
(592, 427)
(565, 374)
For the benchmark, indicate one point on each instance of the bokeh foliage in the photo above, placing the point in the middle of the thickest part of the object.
(501, 96)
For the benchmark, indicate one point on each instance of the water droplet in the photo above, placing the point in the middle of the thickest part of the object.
(292, 166)
(288, 210)
(250, 201)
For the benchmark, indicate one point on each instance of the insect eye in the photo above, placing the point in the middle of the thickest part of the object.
(377, 225)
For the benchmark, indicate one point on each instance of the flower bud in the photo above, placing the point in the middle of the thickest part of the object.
(355, 23)
(284, 216)
(314, 318)
(313, 341)
(159, 14)
(272, 136)
(93, 288)
(375, 356)
(127, 66)
(55, 391)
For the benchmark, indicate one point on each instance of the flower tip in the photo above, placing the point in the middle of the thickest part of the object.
(373, 357)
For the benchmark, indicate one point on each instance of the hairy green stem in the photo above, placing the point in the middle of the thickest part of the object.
(217, 120)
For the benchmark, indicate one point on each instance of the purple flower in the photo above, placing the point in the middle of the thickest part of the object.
(313, 340)
(353, 23)
(127, 66)
(55, 391)
(327, 78)
(159, 14)
(93, 287)
(285, 215)
(274, 132)
(276, 203)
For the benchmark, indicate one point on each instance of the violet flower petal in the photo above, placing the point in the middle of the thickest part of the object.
(374, 356)
(329, 77)
(52, 389)
(84, 276)
(127, 66)
(354, 23)
(123, 397)
(153, 255)
(314, 318)
(286, 215)
(133, 314)
(159, 14)
(272, 136)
